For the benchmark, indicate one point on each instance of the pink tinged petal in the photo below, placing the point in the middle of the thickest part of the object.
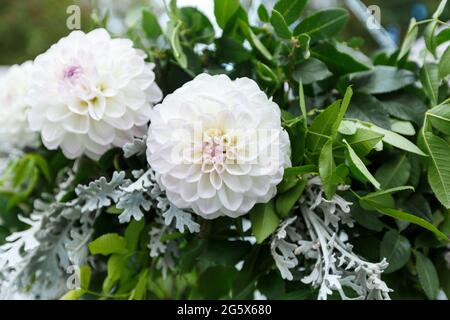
(216, 180)
(76, 124)
(230, 200)
(97, 107)
(101, 132)
(205, 188)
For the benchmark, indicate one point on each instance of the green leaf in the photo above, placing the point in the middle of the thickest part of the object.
(150, 25)
(322, 127)
(173, 35)
(286, 201)
(396, 140)
(410, 38)
(140, 289)
(73, 294)
(310, 71)
(382, 79)
(396, 249)
(403, 127)
(430, 39)
(429, 76)
(439, 167)
(264, 220)
(340, 59)
(295, 171)
(428, 277)
(304, 41)
(108, 244)
(216, 282)
(366, 107)
(440, 9)
(85, 277)
(404, 106)
(280, 26)
(413, 219)
(443, 37)
(381, 198)
(133, 232)
(266, 73)
(197, 27)
(363, 141)
(254, 40)
(358, 168)
(394, 172)
(444, 64)
(224, 10)
(327, 168)
(323, 24)
(115, 267)
(290, 9)
(263, 14)
(439, 117)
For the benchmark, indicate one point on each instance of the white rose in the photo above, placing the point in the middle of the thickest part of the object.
(90, 93)
(14, 130)
(217, 146)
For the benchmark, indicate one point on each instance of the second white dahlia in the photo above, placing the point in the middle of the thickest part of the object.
(90, 93)
(217, 146)
(14, 130)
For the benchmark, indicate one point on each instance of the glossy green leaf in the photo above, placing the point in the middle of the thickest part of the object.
(108, 244)
(295, 171)
(310, 71)
(224, 10)
(396, 249)
(439, 167)
(279, 25)
(410, 38)
(358, 168)
(428, 277)
(286, 201)
(290, 9)
(264, 220)
(363, 140)
(394, 173)
(323, 24)
(327, 168)
(439, 117)
(429, 76)
(150, 25)
(412, 219)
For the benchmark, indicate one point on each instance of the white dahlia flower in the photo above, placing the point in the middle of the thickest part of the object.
(90, 93)
(217, 146)
(14, 129)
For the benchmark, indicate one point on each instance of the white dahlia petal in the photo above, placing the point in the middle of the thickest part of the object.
(217, 146)
(14, 129)
(89, 93)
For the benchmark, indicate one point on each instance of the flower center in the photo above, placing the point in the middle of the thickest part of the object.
(72, 73)
(218, 147)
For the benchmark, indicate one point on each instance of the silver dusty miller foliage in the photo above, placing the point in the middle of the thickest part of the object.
(316, 238)
(34, 262)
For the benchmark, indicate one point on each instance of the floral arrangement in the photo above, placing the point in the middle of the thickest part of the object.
(267, 160)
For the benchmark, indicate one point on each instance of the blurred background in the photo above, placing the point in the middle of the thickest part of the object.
(29, 27)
